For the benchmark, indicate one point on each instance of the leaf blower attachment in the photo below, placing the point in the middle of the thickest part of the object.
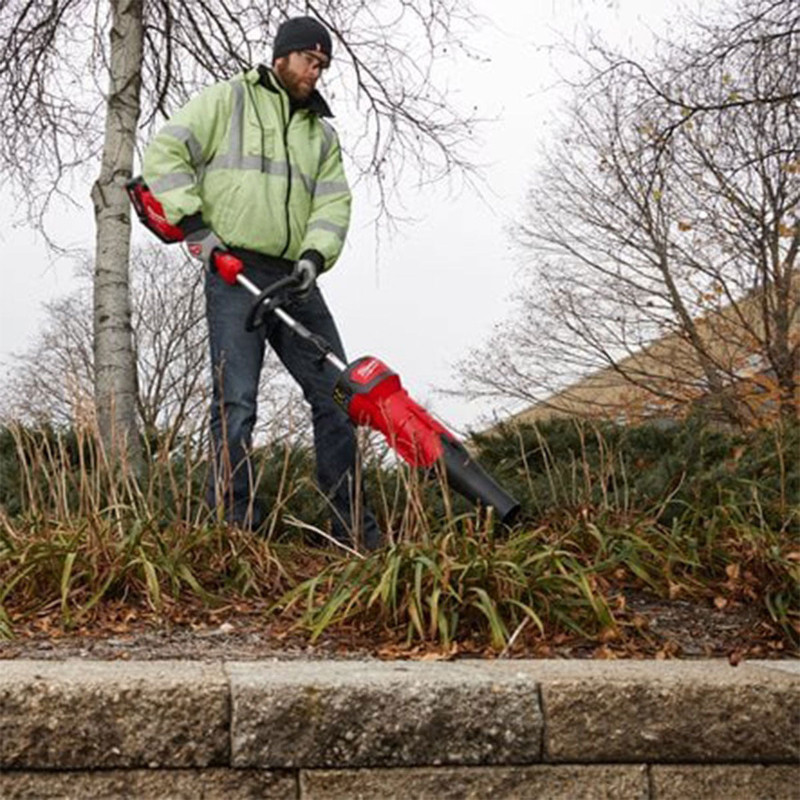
(368, 391)
(372, 395)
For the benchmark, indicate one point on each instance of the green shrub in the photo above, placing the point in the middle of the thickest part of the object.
(566, 465)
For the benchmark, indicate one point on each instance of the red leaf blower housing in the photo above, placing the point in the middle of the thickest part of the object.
(368, 391)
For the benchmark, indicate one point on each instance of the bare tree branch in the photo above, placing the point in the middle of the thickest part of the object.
(663, 232)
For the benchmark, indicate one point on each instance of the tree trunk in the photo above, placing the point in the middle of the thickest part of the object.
(115, 364)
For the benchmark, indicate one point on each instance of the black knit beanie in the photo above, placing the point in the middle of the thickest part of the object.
(301, 33)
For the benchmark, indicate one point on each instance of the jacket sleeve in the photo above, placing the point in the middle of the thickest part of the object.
(330, 208)
(174, 161)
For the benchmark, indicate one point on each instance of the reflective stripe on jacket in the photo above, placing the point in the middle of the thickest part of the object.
(263, 179)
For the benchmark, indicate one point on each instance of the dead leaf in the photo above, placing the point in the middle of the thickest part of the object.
(610, 634)
(720, 602)
(432, 655)
(640, 622)
(669, 650)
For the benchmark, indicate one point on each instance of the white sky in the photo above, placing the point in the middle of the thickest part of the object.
(441, 283)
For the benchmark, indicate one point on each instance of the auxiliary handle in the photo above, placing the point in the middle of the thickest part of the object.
(265, 298)
(266, 301)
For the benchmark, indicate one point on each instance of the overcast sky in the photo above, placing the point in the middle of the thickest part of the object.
(439, 284)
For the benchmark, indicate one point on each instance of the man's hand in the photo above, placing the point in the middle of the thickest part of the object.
(202, 243)
(306, 270)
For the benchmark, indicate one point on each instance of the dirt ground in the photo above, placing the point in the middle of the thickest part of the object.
(651, 628)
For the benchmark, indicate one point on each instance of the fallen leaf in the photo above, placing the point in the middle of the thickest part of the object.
(669, 650)
(640, 622)
(610, 634)
(433, 655)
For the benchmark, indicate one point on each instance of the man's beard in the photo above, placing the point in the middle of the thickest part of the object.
(298, 90)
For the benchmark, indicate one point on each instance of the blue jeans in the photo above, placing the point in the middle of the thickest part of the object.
(236, 360)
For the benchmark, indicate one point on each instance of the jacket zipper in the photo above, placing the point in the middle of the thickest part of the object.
(288, 177)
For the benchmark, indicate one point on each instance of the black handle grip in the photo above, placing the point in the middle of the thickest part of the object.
(266, 300)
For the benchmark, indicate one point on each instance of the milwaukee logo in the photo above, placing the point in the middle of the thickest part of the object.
(370, 369)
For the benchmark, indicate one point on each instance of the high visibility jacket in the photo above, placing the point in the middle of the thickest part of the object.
(262, 177)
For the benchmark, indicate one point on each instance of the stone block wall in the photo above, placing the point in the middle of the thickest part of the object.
(369, 729)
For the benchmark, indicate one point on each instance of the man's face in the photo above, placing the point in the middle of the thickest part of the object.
(299, 72)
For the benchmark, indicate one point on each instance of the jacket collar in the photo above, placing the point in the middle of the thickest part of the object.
(266, 77)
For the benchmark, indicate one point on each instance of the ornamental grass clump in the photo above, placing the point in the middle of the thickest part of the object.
(468, 582)
(76, 532)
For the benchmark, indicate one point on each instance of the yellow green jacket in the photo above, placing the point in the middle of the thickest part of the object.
(263, 178)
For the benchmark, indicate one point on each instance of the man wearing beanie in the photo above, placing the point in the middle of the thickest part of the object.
(253, 166)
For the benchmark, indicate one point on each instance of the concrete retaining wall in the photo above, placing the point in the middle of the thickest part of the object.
(346, 729)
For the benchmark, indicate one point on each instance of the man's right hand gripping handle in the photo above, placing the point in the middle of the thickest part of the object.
(204, 245)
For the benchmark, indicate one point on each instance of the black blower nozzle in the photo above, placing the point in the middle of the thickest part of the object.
(470, 480)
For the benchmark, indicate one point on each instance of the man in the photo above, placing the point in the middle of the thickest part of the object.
(252, 166)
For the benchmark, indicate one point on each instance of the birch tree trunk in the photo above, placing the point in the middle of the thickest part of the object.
(115, 364)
